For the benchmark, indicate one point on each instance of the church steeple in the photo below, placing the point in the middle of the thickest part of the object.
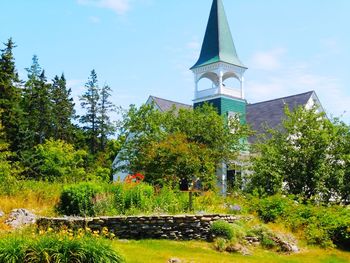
(218, 61)
(218, 44)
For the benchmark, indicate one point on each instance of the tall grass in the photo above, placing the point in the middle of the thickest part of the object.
(16, 248)
(40, 197)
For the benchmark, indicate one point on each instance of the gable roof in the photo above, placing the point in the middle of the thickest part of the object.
(218, 44)
(166, 105)
(259, 115)
(271, 113)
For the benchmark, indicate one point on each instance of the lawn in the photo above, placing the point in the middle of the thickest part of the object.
(154, 251)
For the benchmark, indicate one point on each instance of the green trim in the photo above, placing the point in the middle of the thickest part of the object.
(226, 105)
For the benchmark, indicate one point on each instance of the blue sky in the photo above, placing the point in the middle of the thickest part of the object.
(145, 47)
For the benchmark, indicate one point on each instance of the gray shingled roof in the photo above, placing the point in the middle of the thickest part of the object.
(166, 105)
(259, 115)
(271, 113)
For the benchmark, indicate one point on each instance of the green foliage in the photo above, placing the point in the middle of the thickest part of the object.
(221, 228)
(134, 197)
(169, 146)
(62, 110)
(57, 161)
(10, 96)
(8, 169)
(12, 249)
(142, 198)
(324, 226)
(55, 248)
(271, 208)
(170, 201)
(105, 106)
(89, 102)
(79, 200)
(139, 197)
(305, 157)
(220, 244)
(37, 106)
(265, 235)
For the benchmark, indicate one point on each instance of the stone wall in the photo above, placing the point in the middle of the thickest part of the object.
(179, 227)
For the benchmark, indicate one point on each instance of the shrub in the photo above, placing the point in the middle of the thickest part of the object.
(56, 161)
(79, 200)
(220, 244)
(133, 198)
(222, 229)
(271, 208)
(170, 201)
(265, 235)
(139, 197)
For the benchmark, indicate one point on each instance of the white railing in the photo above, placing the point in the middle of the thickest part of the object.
(232, 92)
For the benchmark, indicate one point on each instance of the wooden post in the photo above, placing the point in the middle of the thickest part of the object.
(190, 207)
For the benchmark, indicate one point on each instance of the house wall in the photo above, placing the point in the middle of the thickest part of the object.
(225, 105)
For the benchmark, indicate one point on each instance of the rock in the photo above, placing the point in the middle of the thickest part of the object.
(294, 249)
(20, 217)
(285, 245)
(174, 260)
(238, 248)
(245, 251)
(2, 213)
(234, 248)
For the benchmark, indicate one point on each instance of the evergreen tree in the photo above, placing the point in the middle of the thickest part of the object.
(90, 102)
(62, 109)
(10, 96)
(37, 106)
(106, 126)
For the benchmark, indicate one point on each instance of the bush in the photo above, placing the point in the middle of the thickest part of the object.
(271, 208)
(170, 201)
(220, 244)
(139, 197)
(265, 236)
(57, 248)
(133, 198)
(56, 161)
(79, 200)
(222, 229)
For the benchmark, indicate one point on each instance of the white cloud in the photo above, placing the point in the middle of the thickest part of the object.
(268, 60)
(118, 6)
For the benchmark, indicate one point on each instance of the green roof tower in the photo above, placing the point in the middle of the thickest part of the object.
(219, 62)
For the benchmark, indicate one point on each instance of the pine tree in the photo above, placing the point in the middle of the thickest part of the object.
(10, 96)
(89, 102)
(62, 109)
(106, 126)
(37, 106)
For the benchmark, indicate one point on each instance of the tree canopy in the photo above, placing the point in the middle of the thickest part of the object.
(308, 157)
(169, 146)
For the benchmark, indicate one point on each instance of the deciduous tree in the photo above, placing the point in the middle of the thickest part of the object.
(178, 144)
(304, 157)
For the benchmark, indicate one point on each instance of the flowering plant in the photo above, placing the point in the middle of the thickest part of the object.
(134, 178)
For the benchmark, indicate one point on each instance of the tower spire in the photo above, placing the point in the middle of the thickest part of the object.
(218, 60)
(218, 43)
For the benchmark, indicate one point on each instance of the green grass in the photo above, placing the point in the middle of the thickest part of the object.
(153, 251)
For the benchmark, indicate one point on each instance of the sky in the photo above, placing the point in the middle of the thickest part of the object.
(146, 47)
